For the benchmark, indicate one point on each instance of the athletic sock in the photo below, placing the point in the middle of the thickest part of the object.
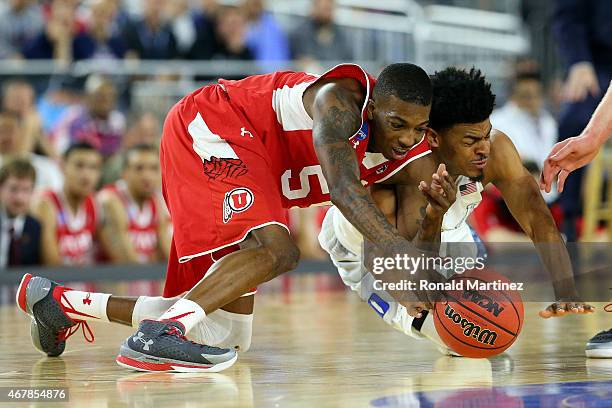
(79, 305)
(150, 307)
(186, 312)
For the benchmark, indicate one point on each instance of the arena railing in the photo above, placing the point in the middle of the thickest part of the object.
(122, 273)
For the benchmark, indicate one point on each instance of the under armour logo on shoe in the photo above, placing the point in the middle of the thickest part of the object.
(87, 300)
(146, 343)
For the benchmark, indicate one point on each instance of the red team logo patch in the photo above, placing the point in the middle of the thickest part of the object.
(236, 201)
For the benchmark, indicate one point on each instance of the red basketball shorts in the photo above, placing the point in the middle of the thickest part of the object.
(217, 184)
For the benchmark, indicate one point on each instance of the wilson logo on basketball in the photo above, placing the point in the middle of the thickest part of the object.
(483, 301)
(236, 201)
(470, 329)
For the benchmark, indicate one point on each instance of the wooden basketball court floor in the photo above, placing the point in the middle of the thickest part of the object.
(317, 345)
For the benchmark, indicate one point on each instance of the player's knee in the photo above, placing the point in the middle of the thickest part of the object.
(285, 257)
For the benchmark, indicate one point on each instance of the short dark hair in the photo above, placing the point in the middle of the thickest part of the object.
(19, 168)
(138, 148)
(79, 146)
(408, 82)
(459, 96)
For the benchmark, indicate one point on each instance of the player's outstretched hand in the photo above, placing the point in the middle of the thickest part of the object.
(441, 193)
(561, 308)
(565, 157)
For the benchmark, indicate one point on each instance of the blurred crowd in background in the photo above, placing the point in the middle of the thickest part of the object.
(80, 178)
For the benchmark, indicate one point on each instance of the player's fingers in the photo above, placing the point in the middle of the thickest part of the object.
(588, 309)
(545, 314)
(441, 169)
(436, 198)
(561, 180)
(547, 176)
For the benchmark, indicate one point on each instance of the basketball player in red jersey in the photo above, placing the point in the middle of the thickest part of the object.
(136, 225)
(70, 217)
(233, 156)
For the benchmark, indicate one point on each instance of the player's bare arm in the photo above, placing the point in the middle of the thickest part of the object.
(43, 210)
(521, 193)
(336, 115)
(114, 231)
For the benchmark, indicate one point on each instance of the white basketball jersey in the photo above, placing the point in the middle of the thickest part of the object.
(454, 224)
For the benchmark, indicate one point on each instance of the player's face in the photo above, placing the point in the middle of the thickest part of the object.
(465, 148)
(16, 194)
(82, 172)
(397, 126)
(141, 173)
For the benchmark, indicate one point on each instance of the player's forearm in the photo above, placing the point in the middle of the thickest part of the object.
(553, 254)
(358, 207)
(429, 232)
(600, 126)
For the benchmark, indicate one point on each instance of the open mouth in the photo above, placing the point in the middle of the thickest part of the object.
(398, 153)
(480, 164)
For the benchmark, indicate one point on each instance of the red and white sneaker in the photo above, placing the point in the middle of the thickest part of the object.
(51, 326)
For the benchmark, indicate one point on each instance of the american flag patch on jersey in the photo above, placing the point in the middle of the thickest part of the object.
(468, 188)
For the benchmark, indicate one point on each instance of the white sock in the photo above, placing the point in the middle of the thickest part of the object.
(89, 306)
(150, 307)
(224, 329)
(186, 312)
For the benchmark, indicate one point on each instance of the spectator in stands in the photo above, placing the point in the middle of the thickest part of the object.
(69, 216)
(19, 24)
(49, 174)
(136, 222)
(265, 37)
(319, 38)
(62, 93)
(96, 122)
(145, 129)
(230, 33)
(20, 233)
(108, 43)
(18, 98)
(585, 44)
(532, 129)
(204, 22)
(61, 39)
(183, 26)
(150, 37)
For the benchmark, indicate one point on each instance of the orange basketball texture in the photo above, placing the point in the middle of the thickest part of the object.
(478, 322)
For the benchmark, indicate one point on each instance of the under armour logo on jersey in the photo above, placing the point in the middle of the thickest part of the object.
(355, 144)
(87, 299)
(244, 132)
(146, 343)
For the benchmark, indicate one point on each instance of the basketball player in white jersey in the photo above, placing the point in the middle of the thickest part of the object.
(475, 154)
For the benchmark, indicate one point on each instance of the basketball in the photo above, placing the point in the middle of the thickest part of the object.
(481, 317)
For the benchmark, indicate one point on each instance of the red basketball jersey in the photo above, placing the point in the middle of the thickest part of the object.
(274, 111)
(75, 232)
(142, 222)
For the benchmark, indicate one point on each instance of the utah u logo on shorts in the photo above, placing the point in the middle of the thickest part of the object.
(236, 201)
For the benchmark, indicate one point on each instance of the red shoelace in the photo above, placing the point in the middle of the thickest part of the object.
(82, 324)
(174, 331)
(608, 307)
